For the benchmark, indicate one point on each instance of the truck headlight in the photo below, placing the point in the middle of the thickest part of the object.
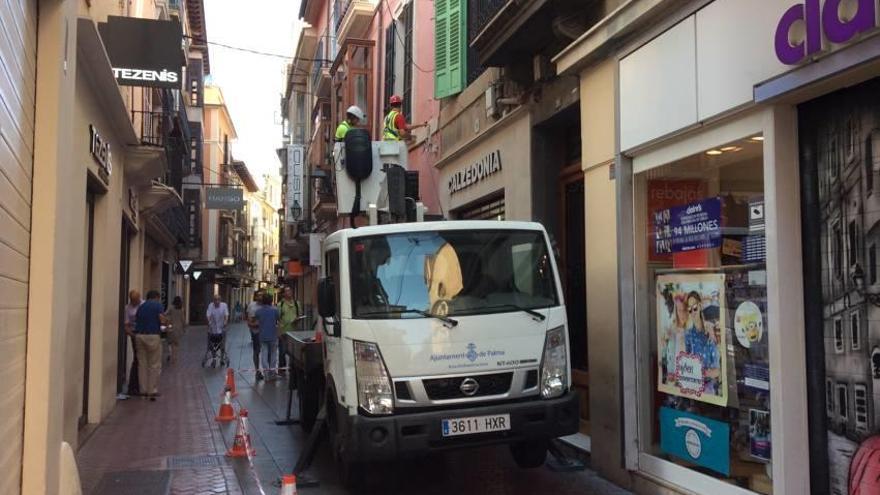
(554, 364)
(375, 394)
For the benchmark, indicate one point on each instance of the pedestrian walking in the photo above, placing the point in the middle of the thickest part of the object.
(148, 325)
(267, 317)
(255, 330)
(238, 311)
(134, 302)
(176, 330)
(218, 319)
(289, 309)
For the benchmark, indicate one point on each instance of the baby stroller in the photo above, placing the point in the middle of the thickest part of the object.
(216, 351)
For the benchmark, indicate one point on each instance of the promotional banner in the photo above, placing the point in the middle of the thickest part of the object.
(696, 439)
(294, 205)
(688, 227)
(691, 332)
(224, 198)
(664, 194)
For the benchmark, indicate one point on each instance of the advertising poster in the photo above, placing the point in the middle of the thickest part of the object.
(691, 336)
(696, 439)
(664, 194)
(759, 434)
(688, 227)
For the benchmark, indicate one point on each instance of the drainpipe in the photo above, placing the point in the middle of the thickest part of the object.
(380, 58)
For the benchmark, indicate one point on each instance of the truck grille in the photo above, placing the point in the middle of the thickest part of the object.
(450, 388)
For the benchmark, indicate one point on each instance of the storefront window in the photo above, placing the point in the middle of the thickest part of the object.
(702, 314)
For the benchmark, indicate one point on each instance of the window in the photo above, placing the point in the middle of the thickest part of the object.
(390, 69)
(450, 47)
(407, 19)
(829, 397)
(842, 401)
(853, 241)
(694, 300)
(860, 394)
(838, 335)
(855, 331)
(837, 251)
(195, 76)
(872, 264)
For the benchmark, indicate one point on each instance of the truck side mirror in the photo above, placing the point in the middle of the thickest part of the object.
(326, 298)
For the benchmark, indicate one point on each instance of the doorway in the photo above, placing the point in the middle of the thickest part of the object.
(124, 282)
(573, 258)
(87, 351)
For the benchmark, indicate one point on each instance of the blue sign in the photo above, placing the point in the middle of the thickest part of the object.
(695, 439)
(688, 227)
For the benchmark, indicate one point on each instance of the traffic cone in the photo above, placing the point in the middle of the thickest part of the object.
(226, 413)
(288, 484)
(230, 381)
(241, 446)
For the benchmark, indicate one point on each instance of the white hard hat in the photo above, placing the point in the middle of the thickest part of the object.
(357, 112)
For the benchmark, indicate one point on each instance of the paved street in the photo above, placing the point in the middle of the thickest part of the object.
(175, 446)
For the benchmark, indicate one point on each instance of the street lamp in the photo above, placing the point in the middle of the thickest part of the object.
(858, 278)
(296, 210)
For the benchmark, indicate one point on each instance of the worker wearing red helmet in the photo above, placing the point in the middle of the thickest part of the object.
(396, 127)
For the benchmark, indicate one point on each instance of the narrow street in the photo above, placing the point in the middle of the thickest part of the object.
(174, 445)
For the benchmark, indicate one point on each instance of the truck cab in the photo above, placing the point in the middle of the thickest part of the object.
(443, 335)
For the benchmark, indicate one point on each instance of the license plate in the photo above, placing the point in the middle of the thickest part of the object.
(475, 424)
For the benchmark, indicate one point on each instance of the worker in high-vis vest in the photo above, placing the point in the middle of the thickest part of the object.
(353, 116)
(396, 127)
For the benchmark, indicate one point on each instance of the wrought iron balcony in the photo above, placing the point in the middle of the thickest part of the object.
(152, 127)
(481, 13)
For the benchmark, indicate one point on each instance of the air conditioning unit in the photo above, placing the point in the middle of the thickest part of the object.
(492, 109)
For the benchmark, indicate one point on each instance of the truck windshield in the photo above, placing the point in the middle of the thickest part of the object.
(449, 273)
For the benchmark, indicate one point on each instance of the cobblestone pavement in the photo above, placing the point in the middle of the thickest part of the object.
(175, 446)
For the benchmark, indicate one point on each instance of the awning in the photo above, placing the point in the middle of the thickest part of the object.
(158, 198)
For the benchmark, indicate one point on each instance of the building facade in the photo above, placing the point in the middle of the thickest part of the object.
(745, 241)
(388, 47)
(91, 208)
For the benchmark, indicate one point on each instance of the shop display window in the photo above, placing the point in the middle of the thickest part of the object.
(701, 304)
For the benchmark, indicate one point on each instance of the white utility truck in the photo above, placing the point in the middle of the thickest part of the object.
(443, 335)
(435, 336)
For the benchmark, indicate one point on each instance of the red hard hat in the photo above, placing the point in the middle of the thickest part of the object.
(395, 100)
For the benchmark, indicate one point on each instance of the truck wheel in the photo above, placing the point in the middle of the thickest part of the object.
(307, 400)
(351, 473)
(528, 455)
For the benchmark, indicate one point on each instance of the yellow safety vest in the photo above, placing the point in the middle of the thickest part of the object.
(392, 133)
(342, 130)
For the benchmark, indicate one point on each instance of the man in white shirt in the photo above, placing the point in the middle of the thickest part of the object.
(218, 316)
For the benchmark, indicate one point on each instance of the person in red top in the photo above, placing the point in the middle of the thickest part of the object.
(396, 127)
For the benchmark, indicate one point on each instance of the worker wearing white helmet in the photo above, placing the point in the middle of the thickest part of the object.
(353, 116)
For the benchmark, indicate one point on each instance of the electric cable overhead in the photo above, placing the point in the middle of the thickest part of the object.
(403, 42)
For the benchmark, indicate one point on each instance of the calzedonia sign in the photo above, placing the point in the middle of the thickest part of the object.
(805, 28)
(476, 172)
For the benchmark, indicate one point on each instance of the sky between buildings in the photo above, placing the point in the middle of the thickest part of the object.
(252, 84)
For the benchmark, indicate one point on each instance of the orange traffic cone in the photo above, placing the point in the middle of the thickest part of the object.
(288, 484)
(230, 381)
(226, 413)
(241, 446)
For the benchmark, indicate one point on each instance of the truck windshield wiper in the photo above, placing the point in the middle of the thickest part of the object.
(445, 319)
(535, 315)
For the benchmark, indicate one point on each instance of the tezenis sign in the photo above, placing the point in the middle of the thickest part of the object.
(818, 20)
(144, 52)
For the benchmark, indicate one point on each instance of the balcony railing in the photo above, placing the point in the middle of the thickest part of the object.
(481, 13)
(152, 127)
(342, 7)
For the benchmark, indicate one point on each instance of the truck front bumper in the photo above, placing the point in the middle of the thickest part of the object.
(420, 433)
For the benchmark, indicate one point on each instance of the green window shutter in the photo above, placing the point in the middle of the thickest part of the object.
(450, 45)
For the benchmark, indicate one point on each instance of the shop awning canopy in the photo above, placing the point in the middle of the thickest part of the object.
(158, 198)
